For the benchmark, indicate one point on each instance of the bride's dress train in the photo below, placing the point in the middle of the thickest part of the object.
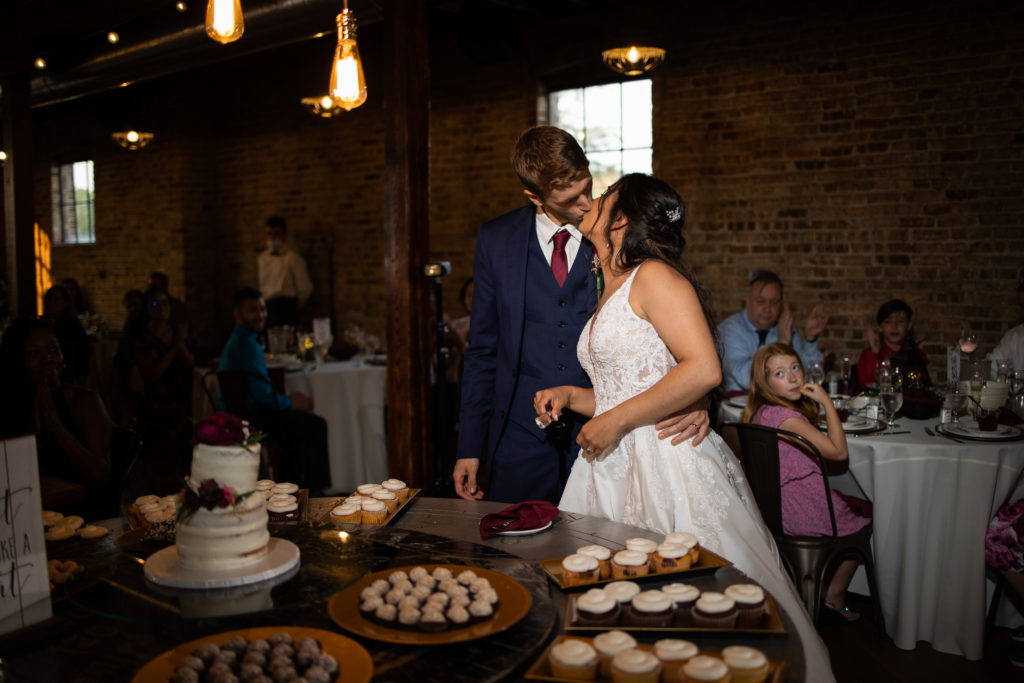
(647, 482)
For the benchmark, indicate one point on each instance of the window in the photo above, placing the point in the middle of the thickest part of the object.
(72, 197)
(613, 124)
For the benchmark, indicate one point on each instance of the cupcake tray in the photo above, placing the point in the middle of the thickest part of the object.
(708, 564)
(326, 518)
(302, 499)
(540, 670)
(771, 625)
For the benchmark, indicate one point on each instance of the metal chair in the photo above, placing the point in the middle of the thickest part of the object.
(806, 557)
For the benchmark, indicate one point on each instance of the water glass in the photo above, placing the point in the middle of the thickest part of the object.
(815, 372)
(845, 367)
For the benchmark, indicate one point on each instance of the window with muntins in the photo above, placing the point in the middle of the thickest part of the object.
(73, 198)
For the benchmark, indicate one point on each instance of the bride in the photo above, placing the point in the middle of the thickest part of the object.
(649, 350)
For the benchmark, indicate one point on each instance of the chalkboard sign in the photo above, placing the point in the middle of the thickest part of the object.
(24, 582)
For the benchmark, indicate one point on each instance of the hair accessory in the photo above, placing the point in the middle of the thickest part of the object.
(672, 215)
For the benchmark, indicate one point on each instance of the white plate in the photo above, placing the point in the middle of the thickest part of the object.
(737, 402)
(969, 429)
(856, 424)
(526, 532)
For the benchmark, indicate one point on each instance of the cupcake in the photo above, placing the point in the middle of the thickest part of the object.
(388, 498)
(368, 606)
(409, 618)
(579, 569)
(673, 654)
(432, 620)
(683, 598)
(397, 487)
(650, 609)
(635, 666)
(285, 487)
(374, 512)
(750, 607)
(671, 557)
(386, 615)
(283, 509)
(643, 545)
(348, 513)
(622, 591)
(628, 564)
(688, 540)
(608, 645)
(368, 489)
(480, 610)
(602, 555)
(597, 608)
(704, 669)
(714, 610)
(573, 660)
(265, 484)
(747, 664)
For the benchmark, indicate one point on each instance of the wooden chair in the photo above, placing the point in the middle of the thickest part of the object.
(806, 557)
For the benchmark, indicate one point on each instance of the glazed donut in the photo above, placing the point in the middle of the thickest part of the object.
(92, 531)
(59, 533)
(51, 517)
(72, 522)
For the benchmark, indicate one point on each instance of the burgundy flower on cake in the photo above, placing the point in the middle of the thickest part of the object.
(222, 429)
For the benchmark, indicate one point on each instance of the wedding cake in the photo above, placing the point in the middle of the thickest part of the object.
(222, 526)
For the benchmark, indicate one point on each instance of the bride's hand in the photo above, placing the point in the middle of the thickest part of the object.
(548, 403)
(599, 434)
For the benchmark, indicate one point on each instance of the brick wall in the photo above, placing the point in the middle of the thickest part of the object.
(863, 155)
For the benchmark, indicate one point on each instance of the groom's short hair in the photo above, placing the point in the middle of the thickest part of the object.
(547, 158)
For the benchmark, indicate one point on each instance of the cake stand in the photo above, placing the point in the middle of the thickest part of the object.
(164, 568)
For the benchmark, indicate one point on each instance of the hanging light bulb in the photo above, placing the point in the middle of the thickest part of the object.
(224, 21)
(348, 85)
(180, 6)
(113, 38)
(40, 63)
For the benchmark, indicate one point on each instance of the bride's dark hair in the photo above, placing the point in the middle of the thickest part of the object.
(656, 214)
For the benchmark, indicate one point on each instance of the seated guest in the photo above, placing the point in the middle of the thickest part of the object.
(76, 297)
(1004, 551)
(892, 341)
(1011, 346)
(779, 398)
(74, 343)
(764, 321)
(70, 423)
(287, 418)
(179, 314)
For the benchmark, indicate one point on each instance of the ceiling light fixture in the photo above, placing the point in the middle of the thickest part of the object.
(224, 22)
(40, 63)
(132, 139)
(323, 106)
(113, 38)
(348, 85)
(633, 60)
(180, 6)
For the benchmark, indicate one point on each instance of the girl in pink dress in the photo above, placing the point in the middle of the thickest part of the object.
(780, 398)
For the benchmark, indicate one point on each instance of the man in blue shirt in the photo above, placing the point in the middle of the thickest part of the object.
(764, 321)
(304, 459)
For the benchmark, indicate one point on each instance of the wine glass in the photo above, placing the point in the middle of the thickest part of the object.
(968, 340)
(956, 404)
(844, 375)
(892, 399)
(815, 372)
(882, 369)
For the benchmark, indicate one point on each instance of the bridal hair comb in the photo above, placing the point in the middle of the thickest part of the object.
(672, 215)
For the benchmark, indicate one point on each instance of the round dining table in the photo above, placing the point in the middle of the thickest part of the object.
(115, 622)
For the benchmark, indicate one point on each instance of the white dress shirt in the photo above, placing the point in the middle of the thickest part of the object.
(284, 274)
(546, 230)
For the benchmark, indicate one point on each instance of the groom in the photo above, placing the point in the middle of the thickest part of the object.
(533, 294)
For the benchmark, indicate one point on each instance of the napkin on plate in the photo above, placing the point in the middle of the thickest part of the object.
(523, 516)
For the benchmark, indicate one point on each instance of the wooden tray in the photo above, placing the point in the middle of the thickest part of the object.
(770, 626)
(540, 670)
(708, 564)
(387, 520)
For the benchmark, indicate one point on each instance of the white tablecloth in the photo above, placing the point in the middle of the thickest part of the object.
(933, 500)
(350, 395)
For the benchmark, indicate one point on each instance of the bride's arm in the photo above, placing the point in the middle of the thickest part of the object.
(665, 298)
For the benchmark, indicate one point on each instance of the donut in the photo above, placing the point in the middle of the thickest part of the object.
(158, 516)
(142, 500)
(72, 522)
(59, 533)
(92, 531)
(51, 517)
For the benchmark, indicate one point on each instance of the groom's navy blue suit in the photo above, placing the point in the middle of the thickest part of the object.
(522, 338)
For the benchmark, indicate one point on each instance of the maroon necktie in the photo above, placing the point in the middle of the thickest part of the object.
(559, 263)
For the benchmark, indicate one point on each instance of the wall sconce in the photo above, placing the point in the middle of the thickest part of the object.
(132, 139)
(224, 21)
(633, 60)
(348, 85)
(323, 106)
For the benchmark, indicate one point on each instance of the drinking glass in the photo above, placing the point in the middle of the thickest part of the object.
(815, 372)
(956, 404)
(891, 395)
(1016, 379)
(844, 375)
(968, 340)
(1004, 369)
(882, 369)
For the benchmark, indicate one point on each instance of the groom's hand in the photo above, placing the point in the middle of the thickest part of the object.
(465, 479)
(693, 420)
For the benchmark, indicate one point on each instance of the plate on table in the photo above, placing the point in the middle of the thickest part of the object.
(737, 402)
(770, 625)
(709, 563)
(540, 670)
(355, 663)
(968, 429)
(513, 604)
(527, 532)
(857, 424)
(387, 520)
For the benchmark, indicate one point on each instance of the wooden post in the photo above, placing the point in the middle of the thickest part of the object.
(19, 212)
(407, 228)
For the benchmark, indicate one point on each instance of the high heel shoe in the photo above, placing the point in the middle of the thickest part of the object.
(839, 615)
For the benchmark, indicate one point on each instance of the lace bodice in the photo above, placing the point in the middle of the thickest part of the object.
(621, 352)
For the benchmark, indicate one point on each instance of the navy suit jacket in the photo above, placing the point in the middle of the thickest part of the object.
(496, 329)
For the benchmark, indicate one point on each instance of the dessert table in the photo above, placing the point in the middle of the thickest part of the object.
(933, 499)
(115, 625)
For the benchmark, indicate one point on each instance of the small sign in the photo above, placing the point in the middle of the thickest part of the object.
(24, 581)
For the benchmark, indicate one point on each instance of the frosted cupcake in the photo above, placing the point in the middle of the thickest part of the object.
(671, 557)
(608, 645)
(602, 555)
(347, 513)
(368, 489)
(629, 564)
(282, 508)
(747, 664)
(714, 610)
(704, 669)
(750, 607)
(579, 569)
(649, 609)
(684, 597)
(397, 487)
(573, 660)
(622, 591)
(374, 512)
(597, 608)
(635, 666)
(388, 498)
(688, 540)
(673, 654)
(285, 487)
(643, 545)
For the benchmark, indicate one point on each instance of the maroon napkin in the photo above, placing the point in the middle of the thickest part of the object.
(524, 516)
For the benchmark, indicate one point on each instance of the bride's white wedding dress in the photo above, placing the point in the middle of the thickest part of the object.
(647, 482)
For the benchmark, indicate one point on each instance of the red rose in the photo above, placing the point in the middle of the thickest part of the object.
(222, 429)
